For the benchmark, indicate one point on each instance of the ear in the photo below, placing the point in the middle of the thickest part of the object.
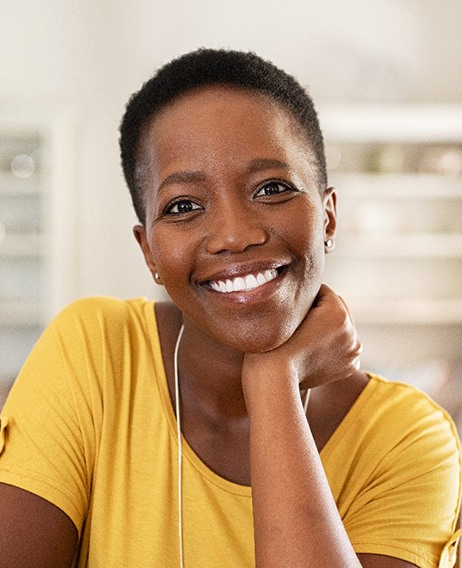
(330, 217)
(140, 235)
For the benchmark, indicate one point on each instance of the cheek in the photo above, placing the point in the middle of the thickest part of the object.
(316, 257)
(305, 236)
(172, 255)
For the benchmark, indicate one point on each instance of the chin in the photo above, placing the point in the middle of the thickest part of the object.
(260, 334)
(268, 342)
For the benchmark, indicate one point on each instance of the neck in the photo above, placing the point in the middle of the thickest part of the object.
(213, 414)
(210, 374)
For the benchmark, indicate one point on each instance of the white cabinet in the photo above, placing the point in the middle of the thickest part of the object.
(398, 256)
(35, 201)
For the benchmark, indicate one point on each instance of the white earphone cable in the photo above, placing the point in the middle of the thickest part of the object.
(180, 445)
(307, 400)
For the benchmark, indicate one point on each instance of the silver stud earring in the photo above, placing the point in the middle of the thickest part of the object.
(329, 243)
(156, 276)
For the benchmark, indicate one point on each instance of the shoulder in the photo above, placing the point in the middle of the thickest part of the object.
(402, 406)
(87, 330)
(98, 312)
(401, 465)
(405, 430)
(95, 307)
(395, 427)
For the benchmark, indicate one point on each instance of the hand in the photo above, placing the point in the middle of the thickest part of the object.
(324, 348)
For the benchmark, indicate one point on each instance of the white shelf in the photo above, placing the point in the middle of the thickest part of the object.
(23, 245)
(20, 189)
(394, 123)
(396, 186)
(21, 314)
(406, 311)
(397, 170)
(425, 245)
(36, 225)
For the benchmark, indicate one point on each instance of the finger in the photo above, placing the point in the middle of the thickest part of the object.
(324, 295)
(346, 306)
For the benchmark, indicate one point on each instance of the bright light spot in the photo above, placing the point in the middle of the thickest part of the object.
(23, 166)
(373, 219)
(450, 162)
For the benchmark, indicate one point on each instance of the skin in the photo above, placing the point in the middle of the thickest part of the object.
(250, 201)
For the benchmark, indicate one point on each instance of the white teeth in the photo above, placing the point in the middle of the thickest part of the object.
(239, 284)
(261, 278)
(250, 282)
(244, 283)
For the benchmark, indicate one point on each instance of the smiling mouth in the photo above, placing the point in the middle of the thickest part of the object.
(243, 283)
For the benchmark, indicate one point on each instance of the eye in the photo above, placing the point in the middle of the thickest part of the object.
(182, 207)
(273, 188)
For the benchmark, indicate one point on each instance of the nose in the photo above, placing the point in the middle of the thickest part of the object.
(235, 230)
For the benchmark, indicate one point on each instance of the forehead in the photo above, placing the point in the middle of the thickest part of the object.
(221, 123)
(208, 98)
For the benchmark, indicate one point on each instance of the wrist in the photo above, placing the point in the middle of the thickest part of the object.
(268, 383)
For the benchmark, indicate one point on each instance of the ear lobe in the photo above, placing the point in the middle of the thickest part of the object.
(330, 217)
(140, 235)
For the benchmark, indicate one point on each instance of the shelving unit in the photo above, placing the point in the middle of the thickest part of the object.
(398, 255)
(23, 203)
(35, 231)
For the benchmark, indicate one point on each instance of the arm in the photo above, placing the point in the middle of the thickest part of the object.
(33, 532)
(296, 519)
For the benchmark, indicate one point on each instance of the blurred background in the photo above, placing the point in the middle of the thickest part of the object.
(387, 79)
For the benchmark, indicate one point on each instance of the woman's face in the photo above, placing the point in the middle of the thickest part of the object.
(235, 219)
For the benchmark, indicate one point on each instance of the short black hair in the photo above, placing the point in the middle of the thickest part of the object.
(213, 67)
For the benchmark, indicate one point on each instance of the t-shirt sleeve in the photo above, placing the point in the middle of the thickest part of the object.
(409, 503)
(49, 421)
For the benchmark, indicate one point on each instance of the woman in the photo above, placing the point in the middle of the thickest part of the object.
(224, 159)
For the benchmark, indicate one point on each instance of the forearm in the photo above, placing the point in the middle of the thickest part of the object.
(295, 516)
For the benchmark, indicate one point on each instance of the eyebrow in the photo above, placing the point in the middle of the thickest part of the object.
(188, 176)
(185, 176)
(267, 164)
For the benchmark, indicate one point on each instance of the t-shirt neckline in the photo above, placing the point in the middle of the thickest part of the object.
(189, 453)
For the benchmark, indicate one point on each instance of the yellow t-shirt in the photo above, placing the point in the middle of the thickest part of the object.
(89, 426)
